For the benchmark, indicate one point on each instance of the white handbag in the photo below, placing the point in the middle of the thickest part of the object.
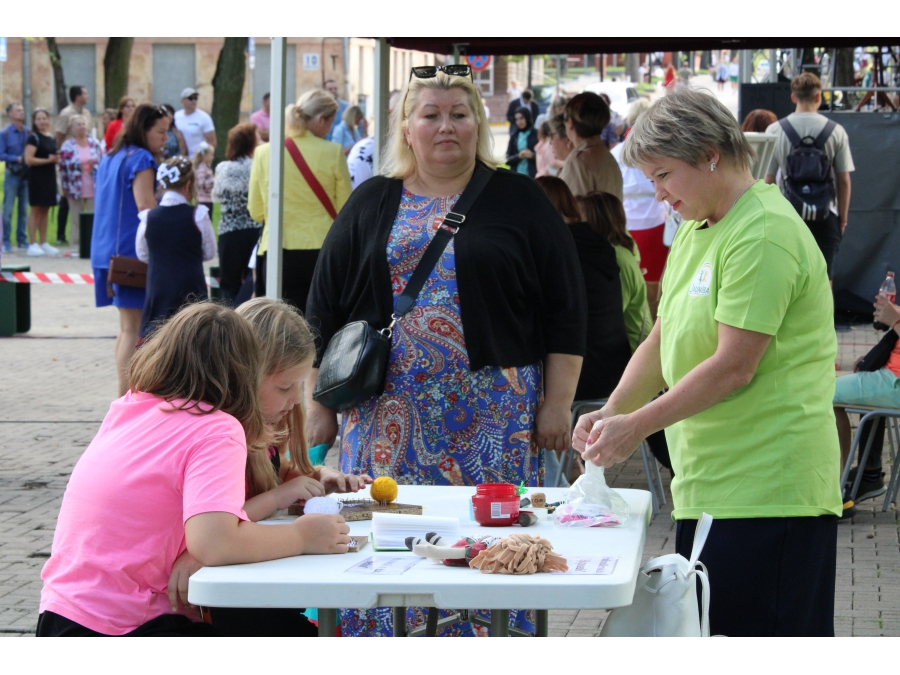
(665, 598)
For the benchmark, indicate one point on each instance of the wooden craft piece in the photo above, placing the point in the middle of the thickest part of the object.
(362, 509)
(538, 500)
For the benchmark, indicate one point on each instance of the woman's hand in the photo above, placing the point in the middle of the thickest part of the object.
(584, 425)
(612, 440)
(53, 159)
(184, 567)
(336, 481)
(301, 488)
(552, 427)
(526, 154)
(321, 424)
(321, 533)
(886, 312)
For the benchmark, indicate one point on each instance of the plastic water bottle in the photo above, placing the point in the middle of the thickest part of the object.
(888, 291)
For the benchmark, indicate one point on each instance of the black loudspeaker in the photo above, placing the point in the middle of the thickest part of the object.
(774, 96)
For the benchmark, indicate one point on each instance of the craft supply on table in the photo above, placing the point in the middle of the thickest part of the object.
(519, 554)
(590, 565)
(383, 489)
(538, 499)
(360, 508)
(357, 544)
(325, 505)
(526, 519)
(390, 530)
(591, 503)
(495, 504)
(384, 565)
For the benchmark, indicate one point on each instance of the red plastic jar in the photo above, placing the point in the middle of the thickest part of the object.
(495, 504)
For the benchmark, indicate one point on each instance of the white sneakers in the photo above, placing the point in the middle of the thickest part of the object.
(35, 250)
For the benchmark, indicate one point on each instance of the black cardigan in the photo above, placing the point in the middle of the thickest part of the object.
(521, 292)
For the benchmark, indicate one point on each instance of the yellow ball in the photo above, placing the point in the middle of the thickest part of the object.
(384, 489)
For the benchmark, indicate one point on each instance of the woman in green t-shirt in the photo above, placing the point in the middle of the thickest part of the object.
(744, 344)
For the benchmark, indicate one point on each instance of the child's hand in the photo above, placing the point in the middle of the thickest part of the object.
(184, 567)
(335, 481)
(301, 488)
(323, 533)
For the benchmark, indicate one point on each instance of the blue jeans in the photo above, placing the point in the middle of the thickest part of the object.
(15, 187)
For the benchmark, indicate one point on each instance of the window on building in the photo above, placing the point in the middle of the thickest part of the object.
(174, 68)
(79, 64)
(262, 75)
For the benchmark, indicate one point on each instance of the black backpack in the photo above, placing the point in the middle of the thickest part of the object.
(808, 179)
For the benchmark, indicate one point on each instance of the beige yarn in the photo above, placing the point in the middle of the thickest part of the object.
(519, 554)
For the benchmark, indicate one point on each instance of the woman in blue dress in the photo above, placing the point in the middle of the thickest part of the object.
(124, 187)
(483, 370)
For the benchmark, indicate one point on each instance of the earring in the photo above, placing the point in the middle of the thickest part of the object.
(712, 166)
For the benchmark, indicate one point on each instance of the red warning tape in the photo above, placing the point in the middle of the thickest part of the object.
(54, 278)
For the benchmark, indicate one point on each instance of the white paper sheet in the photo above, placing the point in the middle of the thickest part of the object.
(384, 564)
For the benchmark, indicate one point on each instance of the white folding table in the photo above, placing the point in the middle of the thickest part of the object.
(321, 580)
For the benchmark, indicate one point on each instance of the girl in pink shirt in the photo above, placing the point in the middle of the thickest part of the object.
(286, 475)
(165, 474)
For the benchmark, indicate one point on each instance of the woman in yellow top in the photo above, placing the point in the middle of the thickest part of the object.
(745, 344)
(307, 217)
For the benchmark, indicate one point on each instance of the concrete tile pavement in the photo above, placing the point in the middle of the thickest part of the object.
(56, 383)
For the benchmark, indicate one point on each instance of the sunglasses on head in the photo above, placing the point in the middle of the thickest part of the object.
(427, 72)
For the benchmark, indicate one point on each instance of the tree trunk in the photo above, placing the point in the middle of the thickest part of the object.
(632, 63)
(844, 75)
(228, 88)
(59, 80)
(115, 70)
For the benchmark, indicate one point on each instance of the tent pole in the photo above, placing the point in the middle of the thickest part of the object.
(275, 213)
(382, 96)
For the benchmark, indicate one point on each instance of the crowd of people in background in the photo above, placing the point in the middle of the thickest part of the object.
(596, 214)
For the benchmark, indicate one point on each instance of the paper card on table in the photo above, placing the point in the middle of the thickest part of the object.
(582, 564)
(384, 564)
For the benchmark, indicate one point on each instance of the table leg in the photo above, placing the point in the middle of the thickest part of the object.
(400, 629)
(499, 623)
(541, 622)
(327, 622)
(431, 624)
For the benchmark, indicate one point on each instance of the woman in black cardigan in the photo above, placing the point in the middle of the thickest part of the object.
(508, 291)
(520, 154)
(483, 370)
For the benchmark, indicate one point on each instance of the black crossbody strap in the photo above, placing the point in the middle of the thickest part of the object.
(453, 220)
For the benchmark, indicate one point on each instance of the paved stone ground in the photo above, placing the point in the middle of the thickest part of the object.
(56, 383)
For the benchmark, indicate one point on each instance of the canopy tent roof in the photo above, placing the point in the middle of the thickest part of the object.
(618, 45)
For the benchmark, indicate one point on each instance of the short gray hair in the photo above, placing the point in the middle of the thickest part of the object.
(686, 124)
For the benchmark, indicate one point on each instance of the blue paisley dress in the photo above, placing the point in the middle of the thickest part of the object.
(437, 422)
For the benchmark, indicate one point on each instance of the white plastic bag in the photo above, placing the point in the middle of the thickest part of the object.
(591, 503)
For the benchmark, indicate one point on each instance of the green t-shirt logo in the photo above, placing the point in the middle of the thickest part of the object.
(700, 284)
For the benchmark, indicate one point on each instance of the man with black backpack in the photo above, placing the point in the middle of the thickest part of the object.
(813, 154)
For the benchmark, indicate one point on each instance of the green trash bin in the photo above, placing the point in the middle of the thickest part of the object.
(15, 303)
(215, 293)
(85, 229)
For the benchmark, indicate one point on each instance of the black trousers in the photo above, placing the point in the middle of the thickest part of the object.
(62, 216)
(235, 248)
(51, 624)
(827, 234)
(768, 577)
(296, 276)
(239, 622)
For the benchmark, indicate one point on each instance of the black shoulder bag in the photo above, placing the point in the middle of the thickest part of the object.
(356, 357)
